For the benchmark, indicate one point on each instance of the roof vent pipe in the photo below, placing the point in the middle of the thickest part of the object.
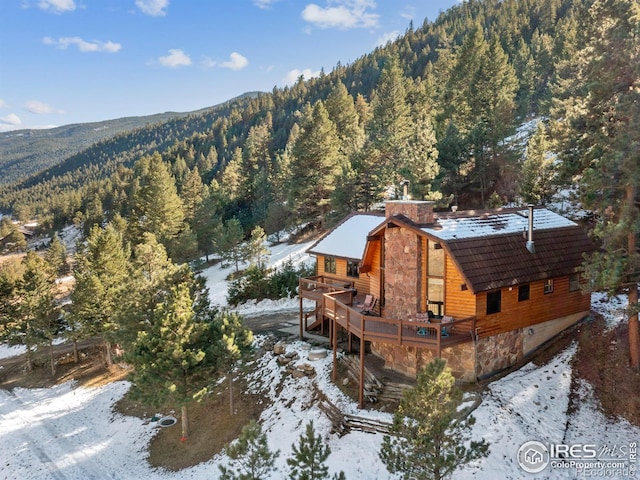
(530, 245)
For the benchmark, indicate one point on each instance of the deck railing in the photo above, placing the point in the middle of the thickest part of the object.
(433, 336)
(314, 287)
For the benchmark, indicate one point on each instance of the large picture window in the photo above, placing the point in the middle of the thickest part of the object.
(494, 302)
(330, 264)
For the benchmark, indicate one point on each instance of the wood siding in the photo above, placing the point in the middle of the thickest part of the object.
(361, 283)
(539, 308)
(374, 276)
(458, 303)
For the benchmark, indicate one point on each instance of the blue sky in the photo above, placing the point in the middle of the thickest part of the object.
(72, 61)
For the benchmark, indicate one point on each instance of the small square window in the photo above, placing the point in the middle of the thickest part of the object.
(574, 282)
(494, 301)
(330, 264)
(548, 286)
(523, 292)
(353, 269)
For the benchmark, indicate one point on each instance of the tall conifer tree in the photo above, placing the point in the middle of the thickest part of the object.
(316, 164)
(597, 120)
(101, 272)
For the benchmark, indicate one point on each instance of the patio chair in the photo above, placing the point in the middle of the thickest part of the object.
(368, 305)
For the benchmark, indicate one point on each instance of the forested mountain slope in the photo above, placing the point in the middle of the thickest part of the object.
(27, 152)
(432, 107)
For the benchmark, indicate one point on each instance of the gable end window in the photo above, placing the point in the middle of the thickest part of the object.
(330, 264)
(548, 286)
(353, 269)
(494, 302)
(574, 282)
(523, 292)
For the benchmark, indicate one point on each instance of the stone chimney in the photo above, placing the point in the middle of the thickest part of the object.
(419, 212)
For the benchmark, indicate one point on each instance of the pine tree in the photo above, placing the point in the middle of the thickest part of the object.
(204, 222)
(252, 459)
(596, 123)
(421, 158)
(427, 438)
(11, 235)
(34, 320)
(309, 457)
(101, 273)
(170, 360)
(227, 242)
(236, 342)
(342, 112)
(390, 127)
(315, 165)
(538, 169)
(56, 256)
(152, 275)
(157, 208)
(257, 251)
(193, 193)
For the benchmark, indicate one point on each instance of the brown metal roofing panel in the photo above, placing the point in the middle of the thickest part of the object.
(499, 261)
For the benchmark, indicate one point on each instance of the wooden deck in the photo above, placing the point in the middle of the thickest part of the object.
(335, 302)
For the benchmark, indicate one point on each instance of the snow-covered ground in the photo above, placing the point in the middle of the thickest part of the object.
(71, 432)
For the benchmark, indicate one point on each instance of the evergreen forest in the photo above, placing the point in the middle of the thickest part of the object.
(432, 107)
(441, 109)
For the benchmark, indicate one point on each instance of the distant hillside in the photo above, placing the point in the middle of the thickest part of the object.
(432, 107)
(24, 153)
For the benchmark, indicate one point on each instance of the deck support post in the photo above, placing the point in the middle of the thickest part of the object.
(361, 392)
(301, 320)
(334, 343)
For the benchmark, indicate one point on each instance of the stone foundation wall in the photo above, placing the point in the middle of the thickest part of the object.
(409, 360)
(498, 352)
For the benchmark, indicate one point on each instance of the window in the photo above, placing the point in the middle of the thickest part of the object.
(574, 282)
(494, 301)
(352, 269)
(523, 292)
(435, 259)
(330, 264)
(548, 286)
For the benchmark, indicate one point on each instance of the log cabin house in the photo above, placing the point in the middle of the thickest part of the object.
(479, 289)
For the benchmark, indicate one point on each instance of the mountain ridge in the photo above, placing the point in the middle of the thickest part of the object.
(31, 151)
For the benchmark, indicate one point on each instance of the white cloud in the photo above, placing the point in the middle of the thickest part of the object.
(11, 120)
(292, 76)
(344, 14)
(236, 62)
(408, 12)
(208, 62)
(387, 37)
(57, 6)
(155, 8)
(83, 45)
(38, 107)
(264, 4)
(176, 58)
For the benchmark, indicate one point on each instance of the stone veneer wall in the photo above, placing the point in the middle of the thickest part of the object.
(409, 360)
(498, 352)
(493, 354)
(402, 273)
(420, 212)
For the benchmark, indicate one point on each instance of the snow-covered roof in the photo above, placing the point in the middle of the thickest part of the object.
(499, 223)
(349, 238)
